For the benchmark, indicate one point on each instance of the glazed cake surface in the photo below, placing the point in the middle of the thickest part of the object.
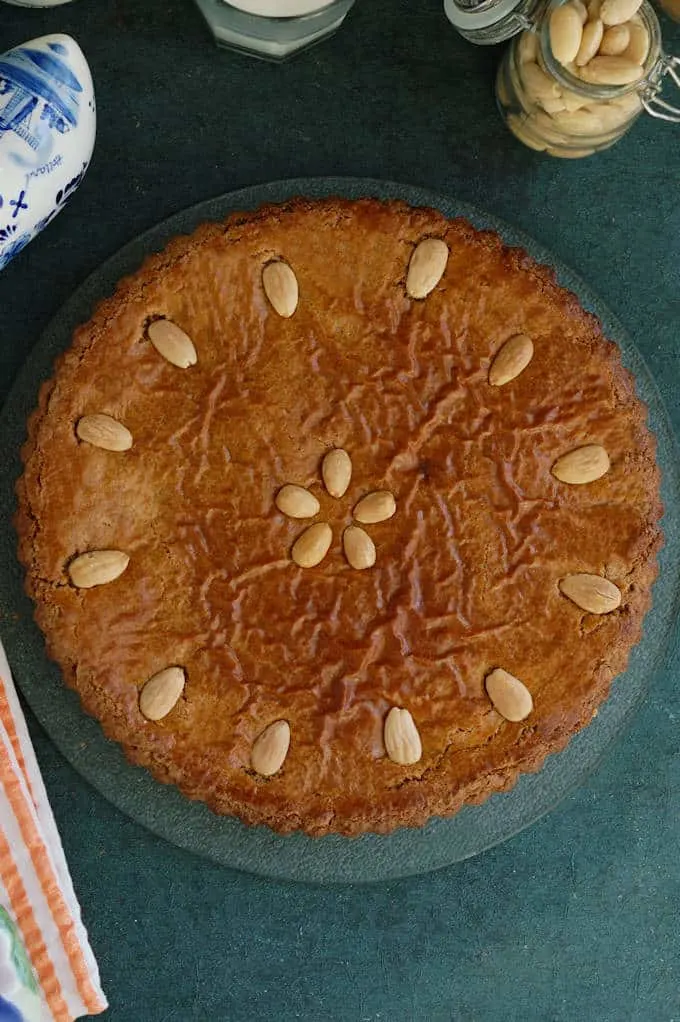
(468, 570)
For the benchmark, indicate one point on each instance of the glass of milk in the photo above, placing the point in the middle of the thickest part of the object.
(272, 29)
(37, 3)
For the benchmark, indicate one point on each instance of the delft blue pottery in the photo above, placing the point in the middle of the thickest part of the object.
(47, 131)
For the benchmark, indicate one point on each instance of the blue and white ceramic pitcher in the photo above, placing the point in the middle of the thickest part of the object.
(47, 132)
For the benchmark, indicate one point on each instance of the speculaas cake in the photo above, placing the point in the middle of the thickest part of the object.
(340, 515)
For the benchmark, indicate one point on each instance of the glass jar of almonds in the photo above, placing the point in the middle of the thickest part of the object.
(575, 82)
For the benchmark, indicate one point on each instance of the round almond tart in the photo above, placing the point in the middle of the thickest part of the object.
(340, 515)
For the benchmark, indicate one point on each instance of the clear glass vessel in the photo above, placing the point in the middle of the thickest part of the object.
(273, 29)
(551, 108)
(37, 3)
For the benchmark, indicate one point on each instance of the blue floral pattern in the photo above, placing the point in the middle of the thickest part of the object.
(9, 251)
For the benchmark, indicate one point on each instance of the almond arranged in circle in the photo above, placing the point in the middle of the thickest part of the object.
(97, 568)
(104, 431)
(359, 548)
(511, 359)
(297, 502)
(592, 593)
(336, 471)
(161, 693)
(400, 734)
(582, 465)
(426, 267)
(312, 546)
(375, 507)
(270, 748)
(172, 343)
(281, 287)
(510, 696)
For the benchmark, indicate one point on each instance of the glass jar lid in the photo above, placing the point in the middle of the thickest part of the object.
(489, 21)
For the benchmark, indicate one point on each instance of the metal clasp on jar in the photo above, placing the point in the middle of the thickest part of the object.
(651, 95)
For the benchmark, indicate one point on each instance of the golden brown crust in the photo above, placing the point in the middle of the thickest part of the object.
(467, 570)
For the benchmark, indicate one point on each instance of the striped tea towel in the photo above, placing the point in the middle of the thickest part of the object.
(39, 912)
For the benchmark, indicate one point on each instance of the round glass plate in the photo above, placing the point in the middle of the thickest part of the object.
(257, 849)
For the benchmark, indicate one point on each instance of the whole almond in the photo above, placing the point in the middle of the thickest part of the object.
(509, 695)
(615, 12)
(638, 47)
(592, 593)
(538, 86)
(545, 126)
(621, 110)
(161, 692)
(512, 359)
(336, 470)
(97, 568)
(359, 548)
(553, 106)
(572, 100)
(527, 47)
(611, 71)
(566, 30)
(581, 9)
(270, 748)
(426, 267)
(103, 431)
(281, 287)
(297, 502)
(591, 39)
(615, 41)
(518, 127)
(375, 507)
(579, 122)
(402, 741)
(312, 546)
(172, 343)
(614, 114)
(582, 465)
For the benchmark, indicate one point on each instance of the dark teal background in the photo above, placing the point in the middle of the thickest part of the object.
(576, 919)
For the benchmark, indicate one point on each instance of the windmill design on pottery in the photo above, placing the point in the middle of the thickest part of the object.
(47, 132)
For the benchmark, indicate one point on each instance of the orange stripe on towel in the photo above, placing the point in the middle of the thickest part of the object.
(7, 721)
(50, 885)
(30, 931)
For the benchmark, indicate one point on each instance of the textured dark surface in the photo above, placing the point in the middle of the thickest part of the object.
(574, 918)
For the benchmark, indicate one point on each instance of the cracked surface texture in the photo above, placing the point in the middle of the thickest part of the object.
(467, 571)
